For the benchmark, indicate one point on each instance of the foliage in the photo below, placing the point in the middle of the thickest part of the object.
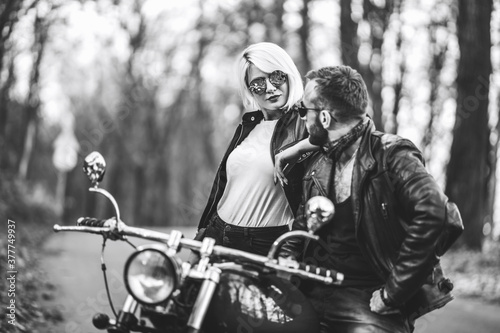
(149, 84)
(475, 273)
(34, 217)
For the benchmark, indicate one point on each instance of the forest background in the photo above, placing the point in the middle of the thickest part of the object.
(151, 85)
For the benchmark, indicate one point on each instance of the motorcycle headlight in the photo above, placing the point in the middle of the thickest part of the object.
(151, 275)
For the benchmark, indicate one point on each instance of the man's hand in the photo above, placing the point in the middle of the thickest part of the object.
(378, 306)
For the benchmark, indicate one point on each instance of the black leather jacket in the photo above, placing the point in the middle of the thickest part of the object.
(289, 130)
(399, 212)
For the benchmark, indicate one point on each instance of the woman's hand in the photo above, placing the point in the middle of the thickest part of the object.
(289, 155)
(280, 162)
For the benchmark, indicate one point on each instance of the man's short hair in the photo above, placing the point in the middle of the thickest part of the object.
(340, 89)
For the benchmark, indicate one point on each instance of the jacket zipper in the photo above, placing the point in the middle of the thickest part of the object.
(271, 148)
(318, 185)
(375, 260)
(390, 230)
(384, 211)
(385, 215)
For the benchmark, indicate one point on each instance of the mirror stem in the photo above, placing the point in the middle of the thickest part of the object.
(113, 201)
(281, 239)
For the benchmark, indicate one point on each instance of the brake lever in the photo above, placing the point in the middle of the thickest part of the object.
(114, 229)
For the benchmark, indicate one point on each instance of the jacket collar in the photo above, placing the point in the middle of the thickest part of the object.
(252, 117)
(366, 160)
(334, 149)
(257, 116)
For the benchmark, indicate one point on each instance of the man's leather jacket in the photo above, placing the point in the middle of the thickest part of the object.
(399, 212)
(289, 130)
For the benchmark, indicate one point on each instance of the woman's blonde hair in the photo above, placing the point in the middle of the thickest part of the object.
(268, 57)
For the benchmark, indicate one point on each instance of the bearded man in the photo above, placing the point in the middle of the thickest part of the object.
(389, 214)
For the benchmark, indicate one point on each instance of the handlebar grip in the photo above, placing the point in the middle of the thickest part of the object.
(335, 275)
(90, 222)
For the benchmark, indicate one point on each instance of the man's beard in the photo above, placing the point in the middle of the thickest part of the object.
(318, 135)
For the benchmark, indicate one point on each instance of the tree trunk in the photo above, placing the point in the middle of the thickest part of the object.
(398, 85)
(29, 142)
(4, 110)
(304, 65)
(199, 123)
(398, 95)
(435, 101)
(10, 11)
(33, 100)
(280, 30)
(492, 182)
(378, 18)
(6, 23)
(348, 36)
(467, 173)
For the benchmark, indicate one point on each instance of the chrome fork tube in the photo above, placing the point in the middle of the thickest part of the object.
(126, 317)
(207, 290)
(130, 305)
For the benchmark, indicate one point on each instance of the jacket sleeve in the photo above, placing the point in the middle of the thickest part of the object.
(424, 207)
(294, 247)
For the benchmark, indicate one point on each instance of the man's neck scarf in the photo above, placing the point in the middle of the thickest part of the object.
(334, 149)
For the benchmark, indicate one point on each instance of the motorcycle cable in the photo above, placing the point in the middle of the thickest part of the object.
(103, 268)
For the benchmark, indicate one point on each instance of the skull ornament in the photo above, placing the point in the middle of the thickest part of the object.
(94, 167)
(319, 210)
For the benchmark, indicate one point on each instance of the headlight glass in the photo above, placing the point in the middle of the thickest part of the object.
(151, 276)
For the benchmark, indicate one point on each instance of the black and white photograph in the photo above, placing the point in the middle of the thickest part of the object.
(250, 166)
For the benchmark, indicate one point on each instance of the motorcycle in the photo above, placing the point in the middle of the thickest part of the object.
(226, 290)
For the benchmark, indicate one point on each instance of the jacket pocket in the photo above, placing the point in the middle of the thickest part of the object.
(386, 216)
(383, 234)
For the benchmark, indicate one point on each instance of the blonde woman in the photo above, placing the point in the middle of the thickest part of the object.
(247, 209)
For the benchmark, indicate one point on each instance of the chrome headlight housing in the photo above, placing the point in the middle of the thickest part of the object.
(151, 275)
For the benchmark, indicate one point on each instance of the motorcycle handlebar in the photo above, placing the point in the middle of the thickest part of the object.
(335, 275)
(90, 222)
(118, 230)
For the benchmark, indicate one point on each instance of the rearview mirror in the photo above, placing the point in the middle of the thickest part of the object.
(319, 211)
(94, 167)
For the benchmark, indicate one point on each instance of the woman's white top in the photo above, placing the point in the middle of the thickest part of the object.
(250, 198)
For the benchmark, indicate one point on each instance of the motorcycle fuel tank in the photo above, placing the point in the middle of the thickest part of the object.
(264, 304)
